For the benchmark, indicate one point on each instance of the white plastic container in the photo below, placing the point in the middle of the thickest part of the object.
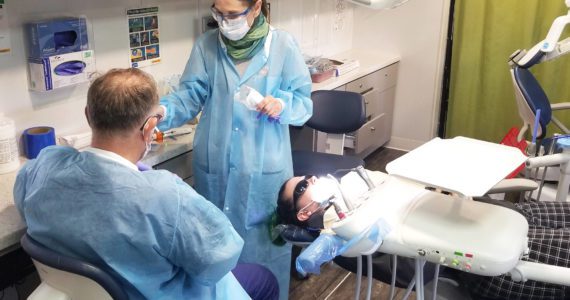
(9, 160)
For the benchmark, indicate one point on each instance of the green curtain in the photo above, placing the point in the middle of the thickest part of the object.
(486, 32)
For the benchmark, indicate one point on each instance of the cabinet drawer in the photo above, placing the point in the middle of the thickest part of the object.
(372, 103)
(381, 80)
(373, 134)
(379, 102)
(180, 165)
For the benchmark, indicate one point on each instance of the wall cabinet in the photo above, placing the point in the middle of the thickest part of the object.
(378, 89)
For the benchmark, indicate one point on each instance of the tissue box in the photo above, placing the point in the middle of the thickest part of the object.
(57, 36)
(61, 70)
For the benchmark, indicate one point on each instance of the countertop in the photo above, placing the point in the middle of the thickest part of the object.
(12, 227)
(369, 63)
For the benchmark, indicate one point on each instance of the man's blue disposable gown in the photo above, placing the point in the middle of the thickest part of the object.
(239, 160)
(150, 229)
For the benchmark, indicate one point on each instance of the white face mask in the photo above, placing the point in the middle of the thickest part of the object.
(235, 29)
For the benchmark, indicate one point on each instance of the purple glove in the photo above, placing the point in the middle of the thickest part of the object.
(269, 118)
(142, 167)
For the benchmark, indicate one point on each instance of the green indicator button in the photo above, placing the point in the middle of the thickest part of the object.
(458, 253)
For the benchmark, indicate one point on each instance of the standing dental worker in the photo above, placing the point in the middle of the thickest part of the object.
(250, 82)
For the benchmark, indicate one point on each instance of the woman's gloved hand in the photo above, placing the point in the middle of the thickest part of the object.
(270, 106)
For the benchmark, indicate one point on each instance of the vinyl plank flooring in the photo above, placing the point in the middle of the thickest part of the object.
(378, 160)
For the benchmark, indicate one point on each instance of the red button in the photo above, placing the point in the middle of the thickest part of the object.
(469, 255)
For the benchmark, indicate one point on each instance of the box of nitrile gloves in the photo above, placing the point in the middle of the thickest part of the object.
(56, 37)
(60, 70)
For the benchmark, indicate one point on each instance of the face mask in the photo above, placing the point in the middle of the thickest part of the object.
(235, 29)
(315, 221)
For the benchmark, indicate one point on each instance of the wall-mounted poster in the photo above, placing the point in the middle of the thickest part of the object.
(143, 36)
(5, 44)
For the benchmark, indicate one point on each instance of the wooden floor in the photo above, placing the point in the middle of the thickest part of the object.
(335, 282)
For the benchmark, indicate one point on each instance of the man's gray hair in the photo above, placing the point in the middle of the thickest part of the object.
(120, 100)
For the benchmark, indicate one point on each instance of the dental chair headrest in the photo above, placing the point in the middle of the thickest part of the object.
(296, 235)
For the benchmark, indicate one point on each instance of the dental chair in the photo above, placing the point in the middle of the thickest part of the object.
(531, 99)
(65, 277)
(335, 113)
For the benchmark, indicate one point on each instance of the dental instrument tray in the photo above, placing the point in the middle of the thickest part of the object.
(462, 165)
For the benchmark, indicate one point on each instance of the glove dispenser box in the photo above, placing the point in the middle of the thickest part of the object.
(58, 53)
(56, 37)
(61, 70)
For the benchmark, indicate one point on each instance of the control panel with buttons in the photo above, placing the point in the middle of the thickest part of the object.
(460, 260)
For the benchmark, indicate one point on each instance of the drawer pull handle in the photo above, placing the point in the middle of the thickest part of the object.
(361, 85)
(366, 102)
(372, 128)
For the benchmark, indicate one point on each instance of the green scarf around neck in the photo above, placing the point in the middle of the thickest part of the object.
(251, 43)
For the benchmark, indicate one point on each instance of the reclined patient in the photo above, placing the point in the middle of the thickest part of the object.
(296, 206)
(549, 239)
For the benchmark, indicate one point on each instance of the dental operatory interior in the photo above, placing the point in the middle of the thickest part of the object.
(460, 138)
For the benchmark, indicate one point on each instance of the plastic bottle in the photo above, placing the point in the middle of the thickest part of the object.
(9, 159)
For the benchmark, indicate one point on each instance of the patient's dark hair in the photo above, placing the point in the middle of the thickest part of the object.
(286, 210)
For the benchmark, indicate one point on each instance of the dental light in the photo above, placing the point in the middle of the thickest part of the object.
(549, 48)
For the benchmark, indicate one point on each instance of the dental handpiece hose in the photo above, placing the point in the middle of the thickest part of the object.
(341, 215)
(345, 197)
(362, 172)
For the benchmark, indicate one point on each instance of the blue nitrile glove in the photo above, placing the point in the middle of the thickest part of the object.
(328, 246)
(70, 68)
(142, 167)
(323, 249)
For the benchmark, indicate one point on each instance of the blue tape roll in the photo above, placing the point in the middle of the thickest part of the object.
(37, 138)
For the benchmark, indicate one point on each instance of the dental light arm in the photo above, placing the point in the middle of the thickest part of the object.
(362, 173)
(548, 49)
(514, 185)
(526, 270)
(347, 201)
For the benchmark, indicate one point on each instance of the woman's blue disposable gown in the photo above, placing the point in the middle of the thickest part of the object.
(239, 160)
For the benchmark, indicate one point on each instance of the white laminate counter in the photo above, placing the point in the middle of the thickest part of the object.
(12, 227)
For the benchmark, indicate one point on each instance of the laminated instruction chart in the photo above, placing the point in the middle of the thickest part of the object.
(5, 45)
(143, 36)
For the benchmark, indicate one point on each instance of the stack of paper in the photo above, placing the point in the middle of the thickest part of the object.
(343, 66)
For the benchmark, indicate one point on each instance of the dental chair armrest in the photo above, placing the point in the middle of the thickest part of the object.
(560, 106)
(513, 185)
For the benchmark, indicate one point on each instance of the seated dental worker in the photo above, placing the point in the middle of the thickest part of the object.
(149, 229)
(549, 242)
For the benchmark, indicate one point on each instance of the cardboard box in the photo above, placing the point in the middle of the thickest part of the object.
(61, 70)
(56, 37)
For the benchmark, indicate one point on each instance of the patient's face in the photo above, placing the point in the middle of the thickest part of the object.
(299, 190)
